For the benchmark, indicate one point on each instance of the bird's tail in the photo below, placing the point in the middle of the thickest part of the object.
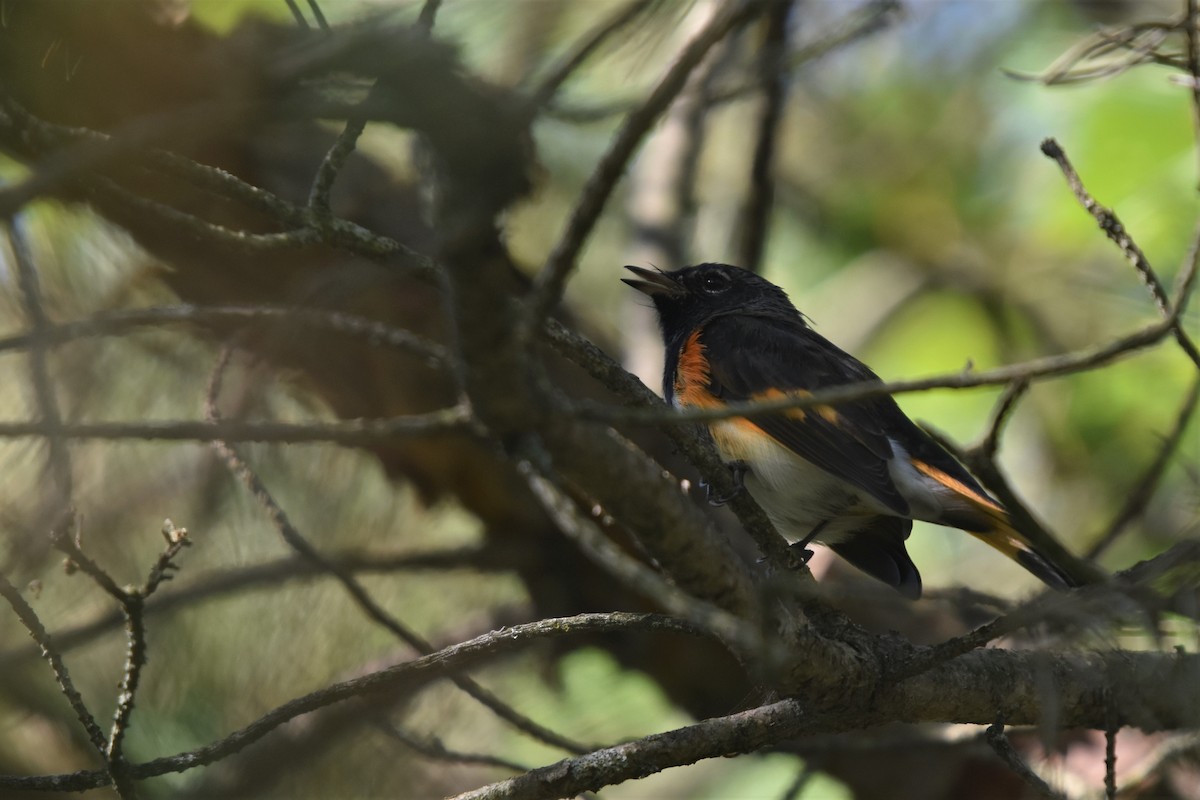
(1008, 540)
(990, 522)
(975, 512)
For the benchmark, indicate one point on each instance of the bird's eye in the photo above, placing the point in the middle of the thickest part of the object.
(714, 282)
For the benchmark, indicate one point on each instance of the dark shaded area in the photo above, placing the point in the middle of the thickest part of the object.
(110, 67)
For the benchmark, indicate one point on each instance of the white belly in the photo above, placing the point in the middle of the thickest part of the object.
(797, 495)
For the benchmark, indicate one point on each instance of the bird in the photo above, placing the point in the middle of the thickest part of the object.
(853, 476)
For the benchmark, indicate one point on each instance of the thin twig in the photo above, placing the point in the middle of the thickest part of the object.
(996, 737)
(675, 235)
(1110, 750)
(1134, 45)
(335, 159)
(757, 217)
(318, 15)
(1148, 770)
(865, 20)
(930, 657)
(1089, 602)
(224, 582)
(734, 632)
(990, 444)
(59, 461)
(406, 677)
(1139, 495)
(108, 323)
(331, 165)
(62, 164)
(1191, 21)
(185, 223)
(1112, 227)
(804, 776)
(428, 15)
(551, 280)
(350, 433)
(1047, 367)
(133, 607)
(89, 149)
(545, 91)
(297, 14)
(65, 535)
(41, 636)
(432, 748)
(661, 201)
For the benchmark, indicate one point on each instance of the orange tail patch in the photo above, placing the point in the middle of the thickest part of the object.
(986, 520)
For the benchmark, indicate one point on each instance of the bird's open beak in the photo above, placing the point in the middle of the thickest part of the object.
(653, 283)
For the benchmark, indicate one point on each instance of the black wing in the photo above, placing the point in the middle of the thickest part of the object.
(753, 358)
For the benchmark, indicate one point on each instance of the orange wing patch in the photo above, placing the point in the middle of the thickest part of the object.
(827, 413)
(776, 394)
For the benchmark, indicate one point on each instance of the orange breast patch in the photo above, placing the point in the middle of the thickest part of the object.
(691, 375)
(736, 438)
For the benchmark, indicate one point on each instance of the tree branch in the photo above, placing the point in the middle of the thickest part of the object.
(41, 636)
(358, 593)
(221, 583)
(107, 323)
(1112, 227)
(550, 281)
(401, 678)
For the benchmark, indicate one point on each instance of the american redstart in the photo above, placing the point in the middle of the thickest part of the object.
(854, 476)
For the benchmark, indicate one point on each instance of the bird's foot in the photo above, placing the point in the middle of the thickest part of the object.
(800, 550)
(738, 470)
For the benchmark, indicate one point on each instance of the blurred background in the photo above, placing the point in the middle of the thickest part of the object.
(915, 222)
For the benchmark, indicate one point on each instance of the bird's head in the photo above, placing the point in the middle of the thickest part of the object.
(689, 297)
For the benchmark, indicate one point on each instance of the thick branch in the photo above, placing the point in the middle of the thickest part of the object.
(1150, 690)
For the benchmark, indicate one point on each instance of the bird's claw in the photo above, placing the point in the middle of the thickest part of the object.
(737, 470)
(800, 550)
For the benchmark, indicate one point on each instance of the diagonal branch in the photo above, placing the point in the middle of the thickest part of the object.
(407, 677)
(731, 630)
(551, 280)
(544, 93)
(1139, 495)
(999, 742)
(220, 583)
(697, 447)
(1191, 21)
(1112, 227)
(370, 607)
(743, 732)
(59, 462)
(41, 636)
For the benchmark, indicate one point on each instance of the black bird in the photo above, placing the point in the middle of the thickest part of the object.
(853, 477)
